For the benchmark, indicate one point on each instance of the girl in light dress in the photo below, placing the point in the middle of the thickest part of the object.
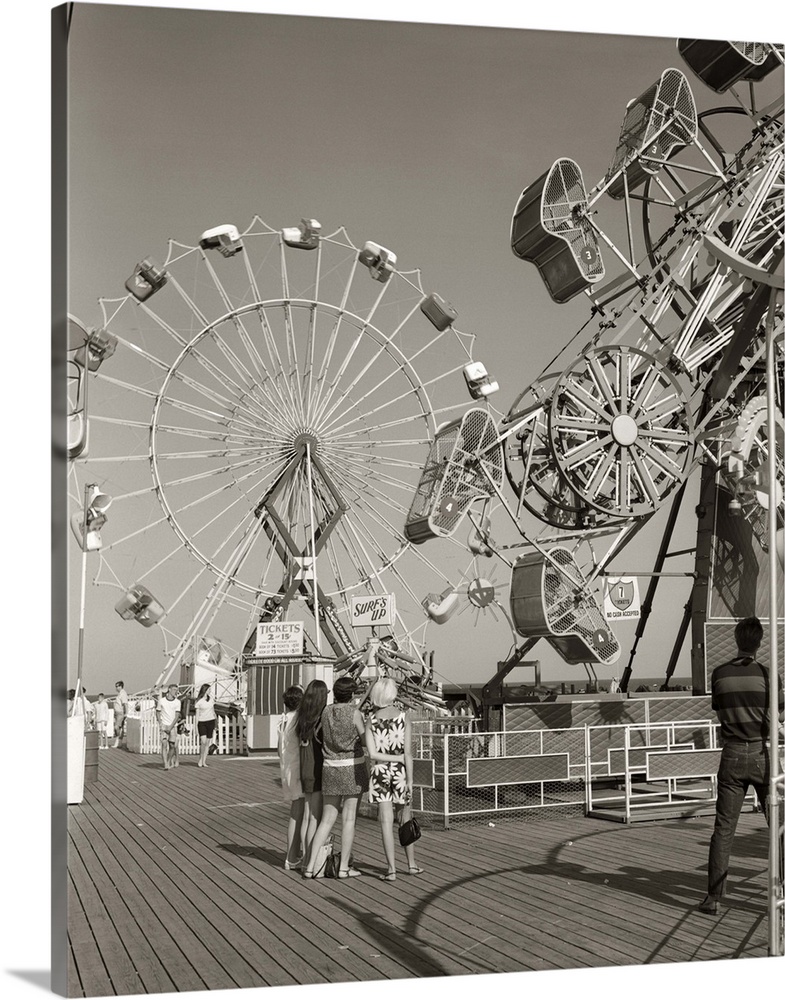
(388, 738)
(291, 785)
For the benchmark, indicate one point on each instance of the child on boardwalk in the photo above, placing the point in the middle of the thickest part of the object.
(101, 719)
(168, 712)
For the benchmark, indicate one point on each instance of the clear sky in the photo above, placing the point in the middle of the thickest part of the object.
(417, 136)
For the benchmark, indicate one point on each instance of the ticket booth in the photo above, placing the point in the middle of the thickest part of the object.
(267, 681)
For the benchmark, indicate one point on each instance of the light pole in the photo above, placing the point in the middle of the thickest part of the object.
(775, 887)
(87, 529)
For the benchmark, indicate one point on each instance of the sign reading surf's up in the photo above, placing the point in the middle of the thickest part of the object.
(376, 610)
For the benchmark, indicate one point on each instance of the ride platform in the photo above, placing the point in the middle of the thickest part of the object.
(176, 882)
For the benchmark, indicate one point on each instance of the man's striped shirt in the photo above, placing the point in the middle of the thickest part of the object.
(740, 697)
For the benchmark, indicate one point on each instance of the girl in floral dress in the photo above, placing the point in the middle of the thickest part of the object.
(388, 738)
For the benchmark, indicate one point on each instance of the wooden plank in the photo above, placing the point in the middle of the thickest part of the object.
(231, 945)
(73, 982)
(274, 917)
(136, 921)
(122, 974)
(330, 920)
(374, 903)
(509, 898)
(94, 980)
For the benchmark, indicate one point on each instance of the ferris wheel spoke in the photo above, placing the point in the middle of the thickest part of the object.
(232, 437)
(107, 547)
(644, 477)
(659, 459)
(623, 381)
(209, 474)
(362, 472)
(601, 471)
(604, 388)
(360, 456)
(240, 394)
(360, 449)
(341, 431)
(310, 347)
(280, 376)
(384, 348)
(585, 401)
(664, 408)
(315, 401)
(581, 424)
(665, 434)
(251, 387)
(361, 486)
(575, 457)
(372, 567)
(291, 353)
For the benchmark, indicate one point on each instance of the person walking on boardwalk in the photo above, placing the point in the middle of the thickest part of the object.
(291, 785)
(344, 777)
(388, 737)
(120, 712)
(309, 733)
(168, 712)
(204, 708)
(101, 719)
(740, 697)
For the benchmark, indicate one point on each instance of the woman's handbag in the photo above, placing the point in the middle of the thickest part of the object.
(409, 831)
(326, 862)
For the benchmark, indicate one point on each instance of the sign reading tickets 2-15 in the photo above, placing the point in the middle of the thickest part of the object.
(378, 609)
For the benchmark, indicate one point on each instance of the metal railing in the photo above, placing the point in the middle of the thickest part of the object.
(461, 772)
(635, 767)
(614, 770)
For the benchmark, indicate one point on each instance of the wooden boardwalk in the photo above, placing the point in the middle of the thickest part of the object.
(176, 883)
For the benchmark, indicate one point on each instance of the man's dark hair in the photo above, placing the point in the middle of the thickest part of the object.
(119, 684)
(749, 635)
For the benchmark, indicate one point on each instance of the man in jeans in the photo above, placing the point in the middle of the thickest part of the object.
(740, 697)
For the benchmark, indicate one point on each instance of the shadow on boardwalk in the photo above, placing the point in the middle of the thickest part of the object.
(547, 894)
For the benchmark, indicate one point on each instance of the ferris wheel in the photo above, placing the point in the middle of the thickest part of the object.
(260, 423)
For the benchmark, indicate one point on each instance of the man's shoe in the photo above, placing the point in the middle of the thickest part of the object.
(709, 905)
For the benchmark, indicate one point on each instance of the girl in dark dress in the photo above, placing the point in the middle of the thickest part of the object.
(309, 733)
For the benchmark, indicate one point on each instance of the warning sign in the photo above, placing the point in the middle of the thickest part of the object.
(274, 639)
(622, 599)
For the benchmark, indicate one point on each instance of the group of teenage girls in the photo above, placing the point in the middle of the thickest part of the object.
(325, 771)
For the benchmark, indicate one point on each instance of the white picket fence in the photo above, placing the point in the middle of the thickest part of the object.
(143, 735)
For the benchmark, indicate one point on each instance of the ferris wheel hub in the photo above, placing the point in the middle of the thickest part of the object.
(624, 430)
(304, 441)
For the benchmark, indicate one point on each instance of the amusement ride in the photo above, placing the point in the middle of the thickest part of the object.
(290, 425)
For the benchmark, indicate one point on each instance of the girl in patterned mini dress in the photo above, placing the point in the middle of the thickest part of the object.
(388, 738)
(344, 775)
